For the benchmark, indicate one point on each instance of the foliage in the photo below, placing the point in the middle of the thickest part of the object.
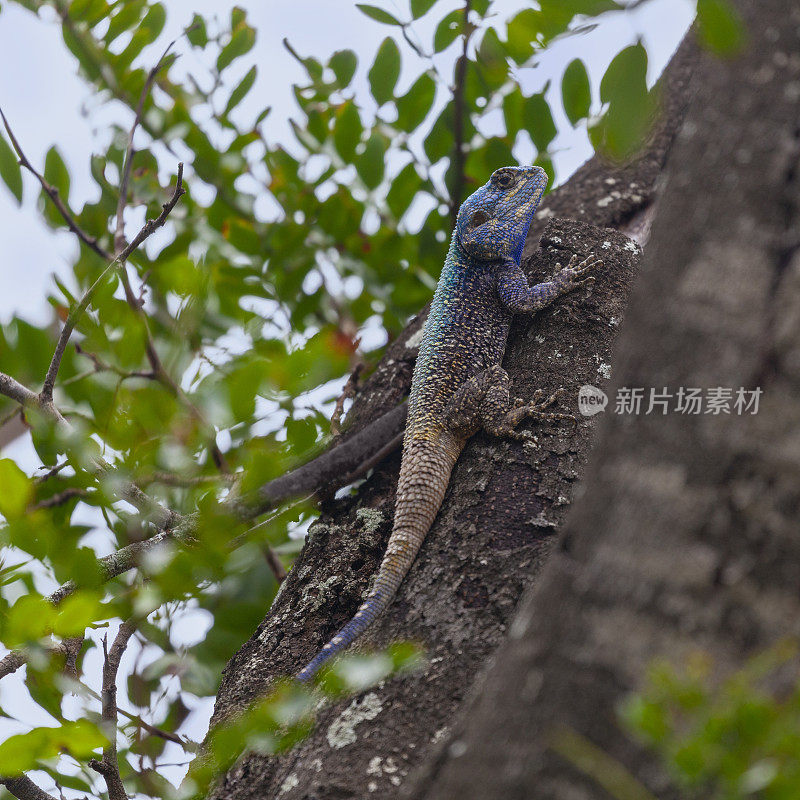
(285, 716)
(214, 351)
(730, 739)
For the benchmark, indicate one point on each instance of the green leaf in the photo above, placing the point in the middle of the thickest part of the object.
(347, 133)
(378, 14)
(405, 186)
(77, 613)
(238, 17)
(25, 751)
(492, 60)
(414, 105)
(538, 121)
(343, 63)
(625, 77)
(575, 91)
(448, 30)
(385, 71)
(241, 90)
(241, 42)
(421, 7)
(522, 34)
(88, 11)
(16, 492)
(153, 22)
(196, 33)
(10, 170)
(29, 619)
(440, 141)
(127, 16)
(719, 26)
(56, 173)
(370, 164)
(630, 106)
(513, 105)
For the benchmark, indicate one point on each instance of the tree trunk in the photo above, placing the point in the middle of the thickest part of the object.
(685, 537)
(495, 529)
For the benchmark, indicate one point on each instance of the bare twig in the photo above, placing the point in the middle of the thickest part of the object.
(108, 767)
(458, 119)
(52, 472)
(350, 389)
(147, 230)
(334, 468)
(274, 562)
(102, 366)
(51, 191)
(61, 498)
(24, 788)
(16, 391)
(186, 744)
(185, 481)
(119, 235)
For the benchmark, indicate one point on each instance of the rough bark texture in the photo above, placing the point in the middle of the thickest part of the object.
(685, 537)
(491, 537)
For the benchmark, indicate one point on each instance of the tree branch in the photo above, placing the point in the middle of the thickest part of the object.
(334, 468)
(119, 235)
(108, 767)
(24, 788)
(458, 119)
(16, 391)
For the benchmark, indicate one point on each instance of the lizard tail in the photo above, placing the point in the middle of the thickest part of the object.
(424, 476)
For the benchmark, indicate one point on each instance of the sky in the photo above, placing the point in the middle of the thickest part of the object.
(46, 103)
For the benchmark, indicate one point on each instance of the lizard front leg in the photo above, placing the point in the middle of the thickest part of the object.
(522, 298)
(484, 401)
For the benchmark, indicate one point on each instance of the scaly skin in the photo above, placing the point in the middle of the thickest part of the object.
(458, 384)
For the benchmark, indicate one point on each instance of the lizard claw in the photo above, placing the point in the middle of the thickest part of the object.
(576, 274)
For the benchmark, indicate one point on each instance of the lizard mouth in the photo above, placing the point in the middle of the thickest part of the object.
(525, 197)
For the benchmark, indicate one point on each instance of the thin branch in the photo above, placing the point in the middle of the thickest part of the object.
(24, 788)
(61, 498)
(102, 366)
(16, 391)
(350, 389)
(187, 744)
(108, 767)
(52, 471)
(274, 562)
(334, 468)
(459, 113)
(119, 235)
(51, 191)
(185, 481)
(147, 230)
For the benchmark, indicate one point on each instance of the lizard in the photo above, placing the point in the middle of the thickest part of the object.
(459, 386)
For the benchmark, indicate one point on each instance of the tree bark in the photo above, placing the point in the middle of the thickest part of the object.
(685, 537)
(495, 529)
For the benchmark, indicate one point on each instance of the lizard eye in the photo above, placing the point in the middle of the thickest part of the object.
(478, 218)
(504, 179)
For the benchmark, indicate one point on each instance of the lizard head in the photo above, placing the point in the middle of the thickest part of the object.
(493, 221)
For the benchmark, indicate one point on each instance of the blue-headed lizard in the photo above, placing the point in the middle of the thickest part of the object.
(459, 386)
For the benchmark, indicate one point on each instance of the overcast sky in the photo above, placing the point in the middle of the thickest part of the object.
(47, 104)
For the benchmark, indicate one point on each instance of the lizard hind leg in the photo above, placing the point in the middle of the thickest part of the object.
(484, 401)
(505, 425)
